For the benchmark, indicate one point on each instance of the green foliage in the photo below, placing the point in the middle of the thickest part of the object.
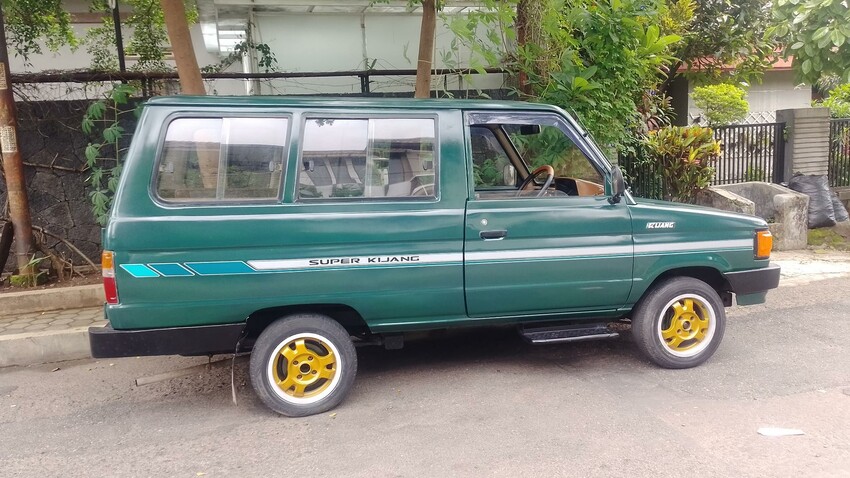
(838, 101)
(147, 42)
(595, 59)
(104, 154)
(816, 33)
(722, 104)
(487, 174)
(685, 157)
(30, 280)
(31, 23)
(724, 33)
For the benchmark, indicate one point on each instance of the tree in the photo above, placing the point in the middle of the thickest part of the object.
(31, 24)
(722, 104)
(721, 34)
(816, 34)
(424, 63)
(191, 82)
(596, 58)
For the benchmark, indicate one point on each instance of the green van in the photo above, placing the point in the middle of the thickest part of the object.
(297, 228)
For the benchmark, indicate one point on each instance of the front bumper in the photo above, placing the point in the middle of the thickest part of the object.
(107, 342)
(754, 281)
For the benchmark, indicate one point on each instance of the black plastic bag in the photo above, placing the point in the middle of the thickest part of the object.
(840, 211)
(821, 212)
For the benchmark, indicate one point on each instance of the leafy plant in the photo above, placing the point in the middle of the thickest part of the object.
(30, 280)
(104, 156)
(815, 34)
(722, 104)
(685, 157)
(595, 59)
(754, 173)
(33, 23)
(487, 174)
(147, 42)
(838, 101)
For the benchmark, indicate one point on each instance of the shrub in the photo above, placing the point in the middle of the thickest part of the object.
(685, 157)
(838, 101)
(722, 104)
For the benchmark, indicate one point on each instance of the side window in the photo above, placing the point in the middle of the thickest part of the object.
(367, 158)
(549, 145)
(491, 167)
(222, 159)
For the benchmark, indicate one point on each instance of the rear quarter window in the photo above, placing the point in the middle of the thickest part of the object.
(212, 160)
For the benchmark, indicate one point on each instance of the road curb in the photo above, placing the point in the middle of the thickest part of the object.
(77, 297)
(44, 347)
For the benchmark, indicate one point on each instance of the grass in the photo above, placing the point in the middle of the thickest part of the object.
(827, 237)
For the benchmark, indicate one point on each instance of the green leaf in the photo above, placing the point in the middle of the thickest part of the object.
(797, 45)
(807, 66)
(820, 33)
(92, 151)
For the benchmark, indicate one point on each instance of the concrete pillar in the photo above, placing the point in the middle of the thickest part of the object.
(807, 140)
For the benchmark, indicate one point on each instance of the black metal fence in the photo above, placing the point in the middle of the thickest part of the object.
(839, 152)
(752, 152)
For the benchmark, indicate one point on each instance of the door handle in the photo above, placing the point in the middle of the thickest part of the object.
(493, 235)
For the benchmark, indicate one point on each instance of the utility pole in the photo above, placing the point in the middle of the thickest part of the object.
(119, 39)
(19, 209)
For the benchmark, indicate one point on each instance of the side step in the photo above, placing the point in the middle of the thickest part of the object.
(567, 333)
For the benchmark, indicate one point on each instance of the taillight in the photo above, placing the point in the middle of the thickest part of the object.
(763, 244)
(107, 263)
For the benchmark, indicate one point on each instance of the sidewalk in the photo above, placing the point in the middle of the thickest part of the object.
(54, 335)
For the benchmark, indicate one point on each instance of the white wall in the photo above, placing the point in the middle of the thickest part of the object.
(338, 42)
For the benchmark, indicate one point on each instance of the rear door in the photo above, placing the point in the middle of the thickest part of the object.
(566, 252)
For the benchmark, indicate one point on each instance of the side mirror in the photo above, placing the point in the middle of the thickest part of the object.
(529, 129)
(618, 185)
(509, 175)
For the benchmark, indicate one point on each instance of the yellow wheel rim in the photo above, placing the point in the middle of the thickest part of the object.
(687, 325)
(304, 368)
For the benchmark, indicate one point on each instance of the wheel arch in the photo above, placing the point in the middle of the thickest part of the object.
(348, 317)
(709, 275)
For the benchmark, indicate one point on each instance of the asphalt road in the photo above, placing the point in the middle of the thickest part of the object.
(468, 404)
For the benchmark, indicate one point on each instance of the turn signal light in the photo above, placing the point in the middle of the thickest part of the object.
(110, 288)
(764, 243)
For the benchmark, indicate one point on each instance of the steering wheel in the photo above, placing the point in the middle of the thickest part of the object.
(550, 176)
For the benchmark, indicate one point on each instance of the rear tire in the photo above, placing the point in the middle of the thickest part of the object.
(303, 364)
(679, 323)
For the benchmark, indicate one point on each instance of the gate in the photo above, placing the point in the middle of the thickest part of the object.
(839, 152)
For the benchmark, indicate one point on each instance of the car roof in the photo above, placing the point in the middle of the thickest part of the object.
(340, 101)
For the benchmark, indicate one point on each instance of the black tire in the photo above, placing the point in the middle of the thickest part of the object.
(662, 323)
(328, 367)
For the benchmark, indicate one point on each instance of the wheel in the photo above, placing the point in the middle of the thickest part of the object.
(679, 323)
(550, 176)
(303, 364)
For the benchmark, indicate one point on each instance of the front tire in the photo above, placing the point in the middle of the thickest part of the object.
(303, 364)
(679, 323)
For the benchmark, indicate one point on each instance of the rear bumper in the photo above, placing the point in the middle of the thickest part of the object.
(754, 281)
(107, 342)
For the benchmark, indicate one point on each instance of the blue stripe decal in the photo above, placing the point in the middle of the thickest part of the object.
(220, 268)
(139, 270)
(171, 270)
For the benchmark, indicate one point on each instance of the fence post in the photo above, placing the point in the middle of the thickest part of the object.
(806, 140)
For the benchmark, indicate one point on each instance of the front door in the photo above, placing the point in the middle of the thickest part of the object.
(560, 251)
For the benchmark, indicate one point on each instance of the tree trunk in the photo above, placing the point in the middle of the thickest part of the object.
(426, 49)
(521, 25)
(181, 45)
(13, 167)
